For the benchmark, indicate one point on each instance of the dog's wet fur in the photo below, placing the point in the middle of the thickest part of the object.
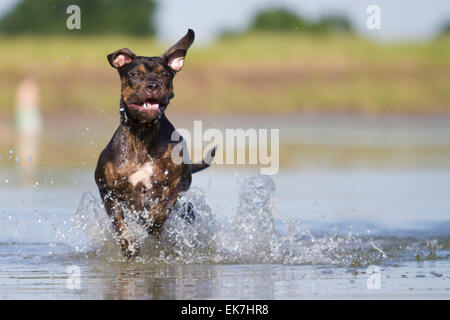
(135, 171)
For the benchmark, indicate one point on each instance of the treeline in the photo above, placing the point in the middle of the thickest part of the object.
(134, 17)
(445, 29)
(284, 20)
(137, 17)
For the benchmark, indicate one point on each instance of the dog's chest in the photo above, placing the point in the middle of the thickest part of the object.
(150, 176)
(143, 175)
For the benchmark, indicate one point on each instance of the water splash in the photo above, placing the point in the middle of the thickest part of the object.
(90, 219)
(253, 233)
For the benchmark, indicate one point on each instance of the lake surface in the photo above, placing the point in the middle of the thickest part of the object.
(372, 224)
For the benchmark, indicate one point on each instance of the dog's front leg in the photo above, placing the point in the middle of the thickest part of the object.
(128, 245)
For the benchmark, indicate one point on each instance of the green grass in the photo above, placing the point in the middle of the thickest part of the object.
(255, 73)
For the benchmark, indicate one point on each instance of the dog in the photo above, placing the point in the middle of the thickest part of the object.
(135, 171)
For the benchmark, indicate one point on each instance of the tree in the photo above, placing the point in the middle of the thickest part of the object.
(283, 20)
(445, 30)
(97, 17)
(333, 23)
(277, 20)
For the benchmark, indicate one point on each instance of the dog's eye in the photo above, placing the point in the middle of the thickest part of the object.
(166, 75)
(134, 74)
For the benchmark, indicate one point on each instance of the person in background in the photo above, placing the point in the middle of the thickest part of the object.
(28, 122)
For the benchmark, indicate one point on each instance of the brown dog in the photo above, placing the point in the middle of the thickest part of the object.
(135, 171)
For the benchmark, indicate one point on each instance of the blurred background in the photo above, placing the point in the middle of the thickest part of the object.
(360, 93)
(345, 97)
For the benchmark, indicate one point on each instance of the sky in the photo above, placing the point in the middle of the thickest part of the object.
(401, 20)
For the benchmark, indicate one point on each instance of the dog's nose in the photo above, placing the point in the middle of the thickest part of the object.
(153, 86)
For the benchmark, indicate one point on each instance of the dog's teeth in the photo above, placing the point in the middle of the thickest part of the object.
(150, 105)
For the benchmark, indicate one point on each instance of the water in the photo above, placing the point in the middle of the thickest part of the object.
(359, 209)
(303, 234)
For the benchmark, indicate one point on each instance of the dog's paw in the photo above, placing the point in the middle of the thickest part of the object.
(131, 254)
(130, 249)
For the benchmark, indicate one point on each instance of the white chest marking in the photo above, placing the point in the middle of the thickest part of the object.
(142, 175)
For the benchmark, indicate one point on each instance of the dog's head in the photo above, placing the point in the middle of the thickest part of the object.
(147, 81)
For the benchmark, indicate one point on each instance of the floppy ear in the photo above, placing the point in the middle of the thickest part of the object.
(121, 57)
(174, 57)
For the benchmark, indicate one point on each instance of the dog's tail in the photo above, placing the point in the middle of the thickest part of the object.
(196, 167)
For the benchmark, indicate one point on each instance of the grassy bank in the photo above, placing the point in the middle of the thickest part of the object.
(259, 73)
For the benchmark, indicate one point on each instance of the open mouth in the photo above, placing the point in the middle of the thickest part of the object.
(148, 105)
(151, 104)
